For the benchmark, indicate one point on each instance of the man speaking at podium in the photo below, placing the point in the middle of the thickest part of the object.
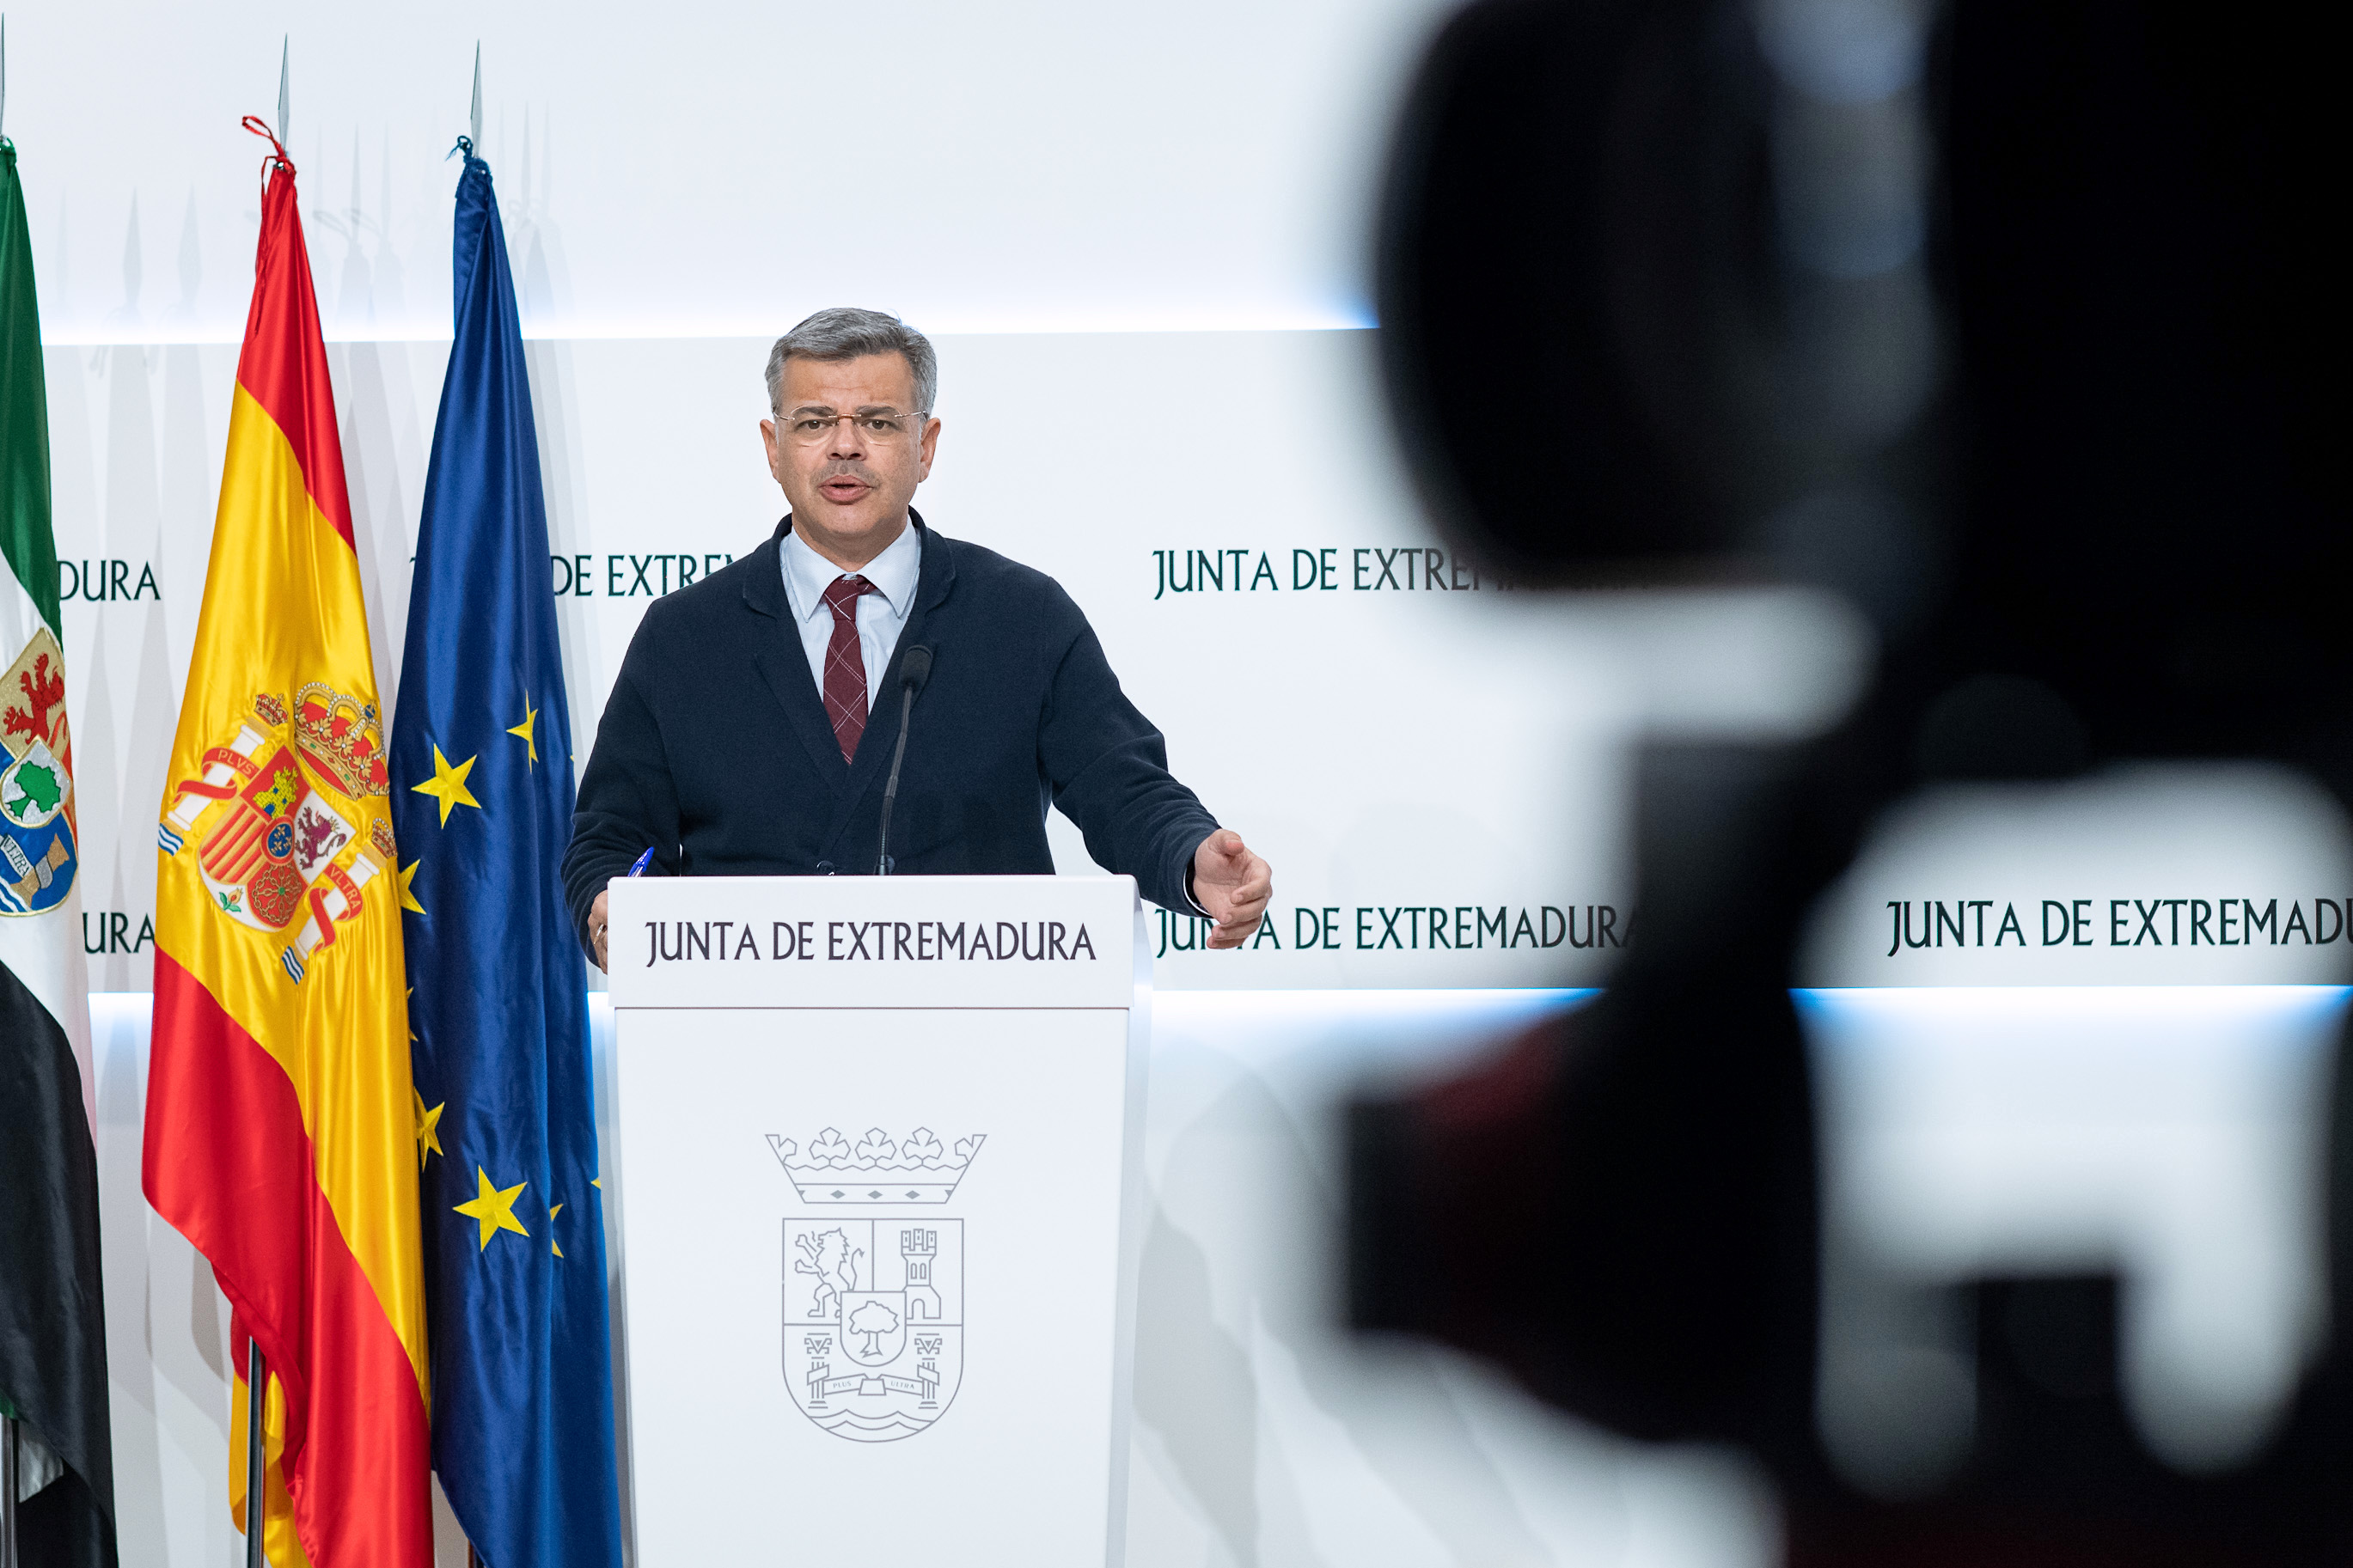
(753, 726)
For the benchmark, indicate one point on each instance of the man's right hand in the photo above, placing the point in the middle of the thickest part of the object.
(597, 928)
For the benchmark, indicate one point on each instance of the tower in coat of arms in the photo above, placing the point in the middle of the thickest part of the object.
(873, 1307)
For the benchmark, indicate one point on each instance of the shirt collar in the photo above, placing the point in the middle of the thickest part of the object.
(894, 573)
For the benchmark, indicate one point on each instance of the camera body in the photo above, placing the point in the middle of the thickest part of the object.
(2007, 324)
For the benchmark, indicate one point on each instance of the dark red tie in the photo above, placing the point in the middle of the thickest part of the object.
(845, 664)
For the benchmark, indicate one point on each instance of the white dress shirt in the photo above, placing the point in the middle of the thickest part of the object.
(881, 614)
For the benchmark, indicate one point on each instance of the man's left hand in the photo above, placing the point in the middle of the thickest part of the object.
(1233, 885)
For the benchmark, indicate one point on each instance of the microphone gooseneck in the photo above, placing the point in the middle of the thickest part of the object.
(914, 669)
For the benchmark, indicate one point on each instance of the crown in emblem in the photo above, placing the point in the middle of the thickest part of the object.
(875, 1170)
(340, 738)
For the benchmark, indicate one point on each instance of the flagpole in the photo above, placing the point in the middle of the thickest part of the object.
(7, 1491)
(8, 1423)
(474, 1558)
(257, 1483)
(8, 1462)
(257, 1496)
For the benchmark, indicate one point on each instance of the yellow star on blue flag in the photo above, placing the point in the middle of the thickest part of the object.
(530, 740)
(428, 1120)
(447, 785)
(493, 1207)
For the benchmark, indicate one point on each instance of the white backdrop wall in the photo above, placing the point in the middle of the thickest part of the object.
(706, 170)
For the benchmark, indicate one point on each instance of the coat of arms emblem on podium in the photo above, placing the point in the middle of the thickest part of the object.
(873, 1306)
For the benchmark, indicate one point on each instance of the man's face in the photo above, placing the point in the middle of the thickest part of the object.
(849, 479)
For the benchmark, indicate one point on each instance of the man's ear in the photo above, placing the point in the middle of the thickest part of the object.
(768, 440)
(931, 445)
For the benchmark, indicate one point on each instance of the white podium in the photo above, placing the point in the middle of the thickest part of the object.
(878, 1185)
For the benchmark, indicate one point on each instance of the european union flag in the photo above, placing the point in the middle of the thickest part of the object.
(506, 1134)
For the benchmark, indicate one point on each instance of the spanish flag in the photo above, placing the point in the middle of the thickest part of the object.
(280, 1133)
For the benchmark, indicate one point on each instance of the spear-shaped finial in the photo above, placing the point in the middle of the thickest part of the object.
(478, 98)
(285, 61)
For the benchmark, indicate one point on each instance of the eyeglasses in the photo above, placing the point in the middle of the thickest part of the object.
(883, 428)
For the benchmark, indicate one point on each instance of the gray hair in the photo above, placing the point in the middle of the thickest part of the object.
(847, 333)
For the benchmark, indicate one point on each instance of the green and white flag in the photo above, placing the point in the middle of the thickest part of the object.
(52, 1315)
(38, 856)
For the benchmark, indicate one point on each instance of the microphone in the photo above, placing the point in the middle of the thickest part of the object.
(914, 669)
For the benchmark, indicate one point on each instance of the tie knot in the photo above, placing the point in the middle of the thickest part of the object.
(841, 595)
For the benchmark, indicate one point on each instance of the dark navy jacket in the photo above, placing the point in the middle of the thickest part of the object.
(714, 748)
